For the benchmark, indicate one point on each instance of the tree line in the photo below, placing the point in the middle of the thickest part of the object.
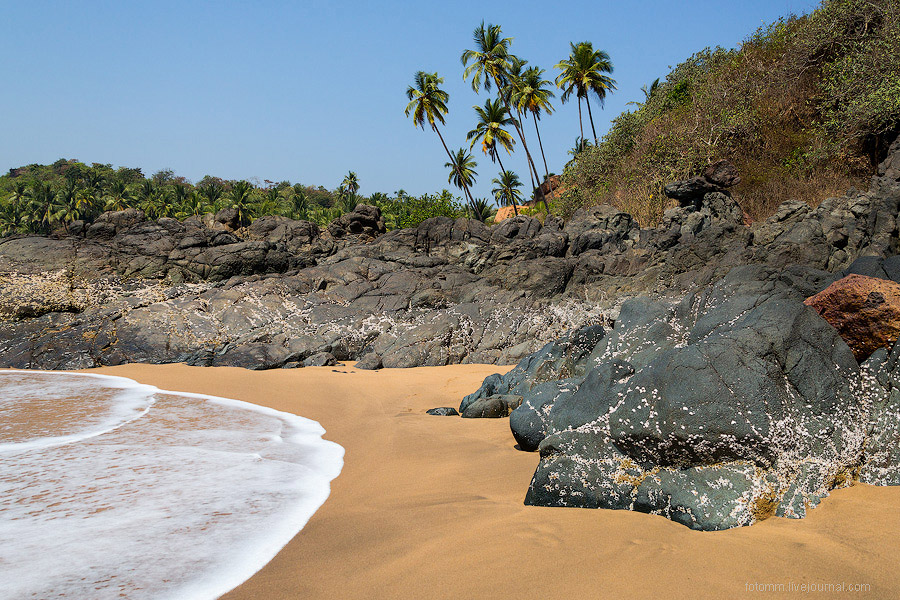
(47, 198)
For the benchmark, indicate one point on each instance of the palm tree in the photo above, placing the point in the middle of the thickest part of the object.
(483, 210)
(180, 194)
(507, 191)
(70, 204)
(462, 169)
(299, 205)
(492, 118)
(268, 205)
(649, 91)
(213, 193)
(428, 103)
(515, 70)
(10, 218)
(491, 61)
(240, 200)
(347, 191)
(42, 208)
(192, 205)
(351, 182)
(581, 145)
(117, 196)
(14, 209)
(533, 95)
(582, 73)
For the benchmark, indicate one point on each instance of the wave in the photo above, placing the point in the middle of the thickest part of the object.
(110, 488)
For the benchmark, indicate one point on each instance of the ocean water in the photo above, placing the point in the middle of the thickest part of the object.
(113, 489)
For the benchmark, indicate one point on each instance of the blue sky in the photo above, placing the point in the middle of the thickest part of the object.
(307, 91)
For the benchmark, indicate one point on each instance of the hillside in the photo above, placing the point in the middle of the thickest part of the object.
(805, 108)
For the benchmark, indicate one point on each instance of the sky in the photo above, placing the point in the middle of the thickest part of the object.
(308, 91)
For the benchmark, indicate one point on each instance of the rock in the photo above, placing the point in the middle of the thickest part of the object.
(882, 453)
(516, 228)
(228, 218)
(364, 220)
(369, 362)
(443, 411)
(864, 310)
(716, 177)
(492, 407)
(722, 173)
(320, 359)
(890, 166)
(690, 190)
(734, 404)
(876, 266)
(447, 291)
(295, 235)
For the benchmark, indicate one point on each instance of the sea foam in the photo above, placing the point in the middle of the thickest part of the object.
(112, 489)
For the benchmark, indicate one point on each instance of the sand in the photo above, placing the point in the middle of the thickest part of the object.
(431, 507)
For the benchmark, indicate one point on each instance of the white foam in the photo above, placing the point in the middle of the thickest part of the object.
(27, 402)
(187, 500)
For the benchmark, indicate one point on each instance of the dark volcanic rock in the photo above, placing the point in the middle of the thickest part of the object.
(443, 411)
(715, 178)
(722, 173)
(320, 359)
(492, 407)
(369, 362)
(447, 291)
(364, 220)
(733, 404)
(691, 190)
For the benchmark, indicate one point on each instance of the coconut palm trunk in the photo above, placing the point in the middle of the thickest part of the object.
(591, 117)
(502, 168)
(515, 121)
(541, 146)
(461, 178)
(532, 168)
(580, 121)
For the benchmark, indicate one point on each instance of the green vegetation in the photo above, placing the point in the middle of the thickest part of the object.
(507, 191)
(804, 108)
(490, 130)
(47, 198)
(585, 73)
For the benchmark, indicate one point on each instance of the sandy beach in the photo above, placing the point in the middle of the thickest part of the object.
(431, 507)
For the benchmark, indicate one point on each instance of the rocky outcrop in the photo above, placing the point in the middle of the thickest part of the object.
(364, 220)
(715, 179)
(864, 310)
(736, 403)
(211, 292)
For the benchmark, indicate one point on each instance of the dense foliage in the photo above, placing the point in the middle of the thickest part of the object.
(44, 198)
(804, 108)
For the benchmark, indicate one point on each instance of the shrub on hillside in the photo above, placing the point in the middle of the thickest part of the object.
(804, 108)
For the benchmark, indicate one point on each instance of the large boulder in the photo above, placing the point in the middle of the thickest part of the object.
(864, 310)
(364, 220)
(890, 167)
(716, 177)
(737, 403)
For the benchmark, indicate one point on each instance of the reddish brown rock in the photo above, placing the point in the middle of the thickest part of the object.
(864, 310)
(722, 173)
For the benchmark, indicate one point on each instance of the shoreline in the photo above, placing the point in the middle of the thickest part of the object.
(432, 506)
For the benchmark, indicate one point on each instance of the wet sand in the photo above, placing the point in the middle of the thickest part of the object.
(431, 507)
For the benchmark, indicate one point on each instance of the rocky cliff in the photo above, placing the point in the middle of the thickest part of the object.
(209, 292)
(750, 397)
